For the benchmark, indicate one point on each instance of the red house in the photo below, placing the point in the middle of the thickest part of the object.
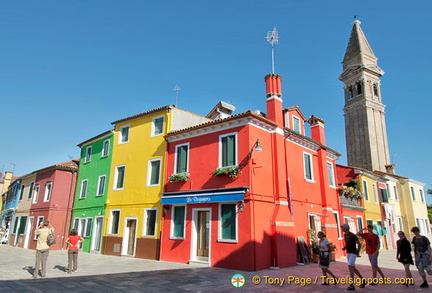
(52, 200)
(241, 190)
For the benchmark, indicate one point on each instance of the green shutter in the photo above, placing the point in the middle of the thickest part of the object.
(155, 169)
(30, 190)
(307, 166)
(179, 218)
(182, 153)
(22, 226)
(296, 125)
(228, 214)
(228, 151)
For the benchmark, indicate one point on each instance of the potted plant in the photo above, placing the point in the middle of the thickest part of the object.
(230, 171)
(351, 189)
(313, 238)
(179, 177)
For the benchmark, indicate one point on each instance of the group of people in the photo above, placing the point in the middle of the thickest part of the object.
(42, 249)
(422, 253)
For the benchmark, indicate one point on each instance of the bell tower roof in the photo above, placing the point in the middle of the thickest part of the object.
(359, 53)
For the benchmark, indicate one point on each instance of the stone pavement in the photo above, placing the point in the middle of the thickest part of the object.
(102, 273)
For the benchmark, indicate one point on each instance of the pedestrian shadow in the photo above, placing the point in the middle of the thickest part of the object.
(29, 269)
(60, 268)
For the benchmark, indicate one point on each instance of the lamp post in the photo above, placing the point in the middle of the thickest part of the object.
(257, 147)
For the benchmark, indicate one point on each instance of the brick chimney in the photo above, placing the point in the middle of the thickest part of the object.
(317, 129)
(390, 169)
(274, 98)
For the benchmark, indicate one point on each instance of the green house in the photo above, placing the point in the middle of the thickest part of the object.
(91, 190)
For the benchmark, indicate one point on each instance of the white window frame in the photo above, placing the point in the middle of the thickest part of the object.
(149, 172)
(40, 219)
(145, 224)
(116, 177)
(375, 193)
(36, 193)
(338, 224)
(396, 193)
(400, 223)
(153, 128)
(98, 186)
(331, 174)
(311, 167)
(421, 195)
(388, 191)
(83, 194)
(412, 191)
(172, 222)
(365, 190)
(48, 191)
(30, 191)
(120, 137)
(111, 222)
(176, 155)
(88, 152)
(88, 230)
(221, 150)
(220, 239)
(105, 151)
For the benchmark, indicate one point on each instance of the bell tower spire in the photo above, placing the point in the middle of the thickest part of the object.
(365, 127)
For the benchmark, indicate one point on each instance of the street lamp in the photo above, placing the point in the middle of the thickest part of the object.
(257, 147)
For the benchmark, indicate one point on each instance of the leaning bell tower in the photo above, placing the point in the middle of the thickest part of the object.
(365, 127)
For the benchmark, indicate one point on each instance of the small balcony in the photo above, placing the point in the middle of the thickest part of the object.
(350, 202)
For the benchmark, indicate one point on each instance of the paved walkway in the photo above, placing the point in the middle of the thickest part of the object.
(102, 273)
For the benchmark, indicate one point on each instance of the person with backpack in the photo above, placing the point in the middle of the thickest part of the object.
(42, 247)
(423, 256)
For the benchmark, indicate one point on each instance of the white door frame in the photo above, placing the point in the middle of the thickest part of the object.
(95, 234)
(28, 231)
(194, 233)
(125, 239)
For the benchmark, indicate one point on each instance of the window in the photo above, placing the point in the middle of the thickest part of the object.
(36, 194)
(87, 232)
(88, 154)
(29, 195)
(150, 222)
(154, 172)
(22, 225)
(228, 222)
(375, 89)
(395, 193)
(336, 216)
(83, 188)
(365, 190)
(330, 174)
(182, 158)
(296, 124)
(374, 193)
(157, 125)
(48, 187)
(388, 191)
(124, 134)
(359, 89)
(350, 93)
(228, 150)
(412, 193)
(308, 166)
(105, 148)
(178, 222)
(119, 177)
(400, 223)
(383, 195)
(21, 192)
(101, 185)
(421, 195)
(114, 222)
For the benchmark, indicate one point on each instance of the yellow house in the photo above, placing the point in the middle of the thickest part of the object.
(133, 209)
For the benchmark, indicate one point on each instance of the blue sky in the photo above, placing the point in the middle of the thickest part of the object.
(70, 68)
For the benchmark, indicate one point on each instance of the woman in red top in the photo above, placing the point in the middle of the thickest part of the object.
(73, 242)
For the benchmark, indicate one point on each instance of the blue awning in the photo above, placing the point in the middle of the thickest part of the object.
(209, 197)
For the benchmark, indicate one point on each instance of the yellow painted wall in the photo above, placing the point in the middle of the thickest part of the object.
(373, 211)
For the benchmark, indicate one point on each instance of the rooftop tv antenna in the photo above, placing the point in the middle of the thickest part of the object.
(176, 89)
(272, 38)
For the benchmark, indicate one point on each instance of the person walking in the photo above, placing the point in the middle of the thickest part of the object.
(423, 255)
(42, 248)
(372, 250)
(324, 257)
(73, 242)
(352, 247)
(403, 255)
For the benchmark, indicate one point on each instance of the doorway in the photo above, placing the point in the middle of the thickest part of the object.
(97, 238)
(201, 235)
(128, 245)
(28, 232)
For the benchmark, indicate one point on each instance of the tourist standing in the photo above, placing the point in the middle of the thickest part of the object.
(403, 254)
(42, 248)
(73, 242)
